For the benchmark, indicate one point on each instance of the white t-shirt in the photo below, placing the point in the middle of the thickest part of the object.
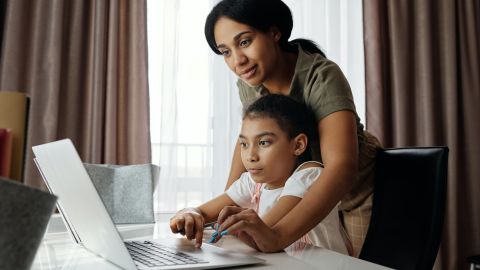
(326, 234)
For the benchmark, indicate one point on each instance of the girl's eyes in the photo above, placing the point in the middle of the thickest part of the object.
(264, 143)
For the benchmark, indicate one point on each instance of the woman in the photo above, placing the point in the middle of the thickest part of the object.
(252, 36)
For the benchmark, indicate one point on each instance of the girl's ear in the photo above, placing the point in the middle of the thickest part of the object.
(300, 142)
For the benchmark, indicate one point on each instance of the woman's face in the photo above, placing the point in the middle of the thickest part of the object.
(249, 53)
(267, 152)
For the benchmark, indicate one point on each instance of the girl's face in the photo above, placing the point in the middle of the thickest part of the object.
(249, 53)
(267, 152)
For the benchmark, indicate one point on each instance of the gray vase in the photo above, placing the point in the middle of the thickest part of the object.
(126, 191)
(24, 215)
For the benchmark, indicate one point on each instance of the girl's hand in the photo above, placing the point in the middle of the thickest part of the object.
(249, 228)
(188, 222)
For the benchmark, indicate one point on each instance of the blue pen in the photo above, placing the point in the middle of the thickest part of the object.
(212, 238)
(216, 234)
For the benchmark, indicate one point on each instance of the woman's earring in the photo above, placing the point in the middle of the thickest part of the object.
(277, 36)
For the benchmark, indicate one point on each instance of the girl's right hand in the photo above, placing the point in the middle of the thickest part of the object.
(188, 222)
(249, 228)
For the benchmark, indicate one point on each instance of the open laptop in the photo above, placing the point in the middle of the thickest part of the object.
(92, 226)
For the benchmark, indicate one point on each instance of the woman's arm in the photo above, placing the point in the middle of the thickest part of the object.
(285, 203)
(339, 148)
(237, 167)
(281, 208)
(338, 143)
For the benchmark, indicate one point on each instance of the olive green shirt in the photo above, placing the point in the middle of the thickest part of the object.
(321, 86)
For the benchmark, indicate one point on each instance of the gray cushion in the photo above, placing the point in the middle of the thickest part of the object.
(126, 191)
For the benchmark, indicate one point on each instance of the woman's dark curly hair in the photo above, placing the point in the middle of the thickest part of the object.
(261, 15)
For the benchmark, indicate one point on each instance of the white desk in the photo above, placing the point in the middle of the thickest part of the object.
(58, 251)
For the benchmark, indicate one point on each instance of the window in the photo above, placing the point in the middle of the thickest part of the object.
(180, 101)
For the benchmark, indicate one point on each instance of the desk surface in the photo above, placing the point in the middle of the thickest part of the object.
(58, 251)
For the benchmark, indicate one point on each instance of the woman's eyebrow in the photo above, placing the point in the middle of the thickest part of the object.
(236, 37)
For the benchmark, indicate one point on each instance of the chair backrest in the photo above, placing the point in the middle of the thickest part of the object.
(408, 207)
(14, 108)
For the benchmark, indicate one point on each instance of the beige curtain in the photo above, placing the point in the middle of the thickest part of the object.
(423, 88)
(84, 65)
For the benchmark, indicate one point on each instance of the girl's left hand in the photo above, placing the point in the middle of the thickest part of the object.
(248, 227)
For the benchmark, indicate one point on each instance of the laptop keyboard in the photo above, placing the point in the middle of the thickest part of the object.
(153, 254)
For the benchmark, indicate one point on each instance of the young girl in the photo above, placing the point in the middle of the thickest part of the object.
(274, 143)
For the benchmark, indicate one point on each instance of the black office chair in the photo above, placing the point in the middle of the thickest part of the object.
(408, 207)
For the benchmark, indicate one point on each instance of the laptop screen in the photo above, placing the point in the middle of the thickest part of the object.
(79, 202)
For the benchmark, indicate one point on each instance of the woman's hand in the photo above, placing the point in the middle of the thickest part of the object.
(188, 222)
(249, 228)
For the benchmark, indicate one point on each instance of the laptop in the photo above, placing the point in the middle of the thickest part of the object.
(88, 220)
